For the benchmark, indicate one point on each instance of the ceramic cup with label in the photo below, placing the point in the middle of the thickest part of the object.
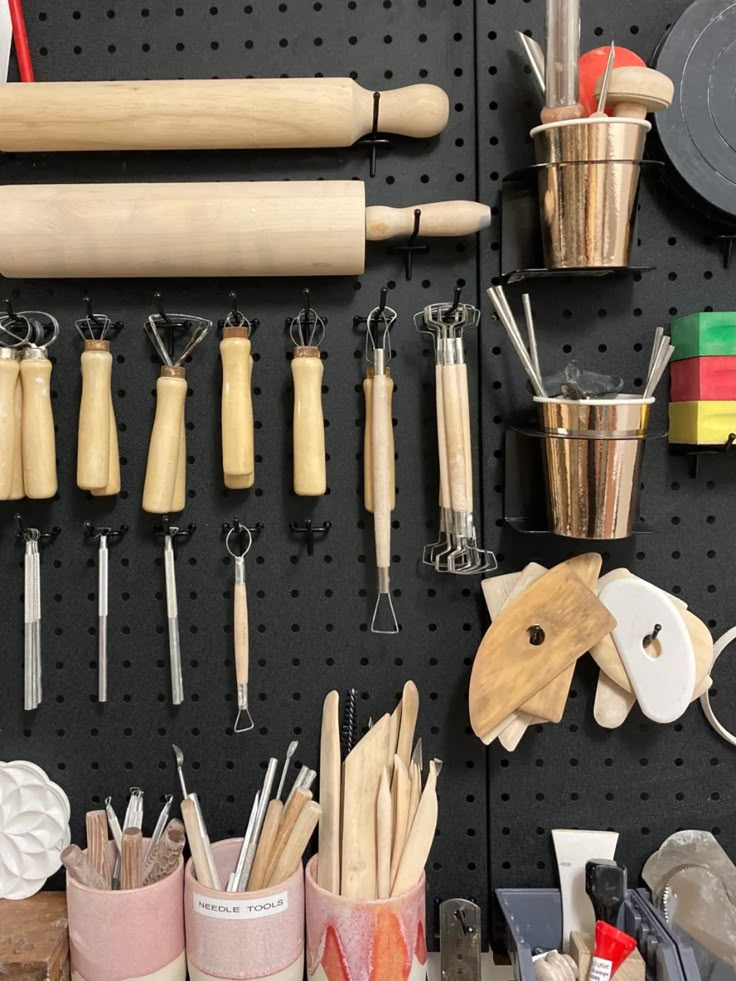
(234, 936)
(127, 935)
(365, 940)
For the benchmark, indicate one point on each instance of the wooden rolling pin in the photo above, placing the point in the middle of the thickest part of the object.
(238, 447)
(37, 425)
(98, 464)
(279, 228)
(310, 466)
(165, 450)
(9, 374)
(210, 114)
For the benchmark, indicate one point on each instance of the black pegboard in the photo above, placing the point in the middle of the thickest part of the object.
(309, 616)
(644, 780)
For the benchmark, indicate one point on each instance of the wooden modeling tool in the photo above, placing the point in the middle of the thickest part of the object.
(420, 837)
(38, 437)
(407, 727)
(238, 441)
(131, 875)
(98, 457)
(384, 837)
(307, 331)
(293, 808)
(164, 857)
(297, 841)
(634, 91)
(212, 114)
(199, 842)
(328, 872)
(279, 228)
(165, 486)
(266, 841)
(378, 353)
(241, 635)
(535, 638)
(401, 793)
(415, 792)
(361, 776)
(79, 867)
(612, 704)
(96, 824)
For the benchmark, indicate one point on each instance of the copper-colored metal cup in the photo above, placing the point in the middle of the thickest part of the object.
(588, 178)
(593, 452)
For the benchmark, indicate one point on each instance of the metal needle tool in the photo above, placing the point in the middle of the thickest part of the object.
(29, 638)
(160, 825)
(605, 84)
(232, 884)
(293, 746)
(172, 614)
(378, 354)
(260, 817)
(104, 537)
(196, 829)
(240, 627)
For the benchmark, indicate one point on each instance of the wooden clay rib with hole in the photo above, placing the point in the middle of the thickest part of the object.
(269, 228)
(211, 114)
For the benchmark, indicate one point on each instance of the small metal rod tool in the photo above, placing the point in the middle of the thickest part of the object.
(104, 537)
(171, 535)
(260, 817)
(293, 746)
(232, 883)
(32, 539)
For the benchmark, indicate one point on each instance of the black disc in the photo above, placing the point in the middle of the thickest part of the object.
(698, 132)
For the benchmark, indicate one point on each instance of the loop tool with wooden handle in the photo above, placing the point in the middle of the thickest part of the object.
(15, 333)
(240, 626)
(378, 354)
(98, 458)
(212, 114)
(252, 228)
(307, 331)
(238, 441)
(456, 551)
(165, 487)
(37, 422)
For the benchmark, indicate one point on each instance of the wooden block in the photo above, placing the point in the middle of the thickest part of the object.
(703, 334)
(34, 943)
(581, 950)
(702, 423)
(711, 379)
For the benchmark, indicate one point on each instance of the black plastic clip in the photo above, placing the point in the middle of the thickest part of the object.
(412, 247)
(26, 534)
(308, 318)
(309, 532)
(178, 536)
(238, 528)
(236, 318)
(373, 140)
(726, 241)
(92, 533)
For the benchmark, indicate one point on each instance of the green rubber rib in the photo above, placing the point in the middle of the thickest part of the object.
(704, 334)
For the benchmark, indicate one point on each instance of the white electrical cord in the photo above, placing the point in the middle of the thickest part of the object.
(718, 648)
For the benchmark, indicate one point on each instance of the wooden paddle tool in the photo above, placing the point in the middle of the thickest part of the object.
(98, 457)
(213, 114)
(277, 228)
(14, 335)
(534, 639)
(38, 437)
(165, 487)
(238, 443)
(307, 330)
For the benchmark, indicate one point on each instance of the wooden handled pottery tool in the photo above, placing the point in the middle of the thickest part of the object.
(15, 333)
(307, 331)
(378, 354)
(633, 92)
(420, 837)
(238, 441)
(328, 872)
(37, 423)
(199, 842)
(131, 876)
(534, 638)
(279, 228)
(213, 114)
(98, 457)
(165, 487)
(240, 627)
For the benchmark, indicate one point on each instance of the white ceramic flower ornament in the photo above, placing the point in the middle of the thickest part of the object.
(34, 828)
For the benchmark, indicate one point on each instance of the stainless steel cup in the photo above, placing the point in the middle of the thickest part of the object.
(593, 453)
(588, 176)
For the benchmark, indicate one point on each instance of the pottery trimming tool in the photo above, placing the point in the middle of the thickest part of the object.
(238, 441)
(165, 487)
(199, 842)
(15, 333)
(457, 550)
(378, 354)
(104, 537)
(291, 749)
(534, 54)
(37, 421)
(240, 626)
(161, 822)
(307, 331)
(98, 457)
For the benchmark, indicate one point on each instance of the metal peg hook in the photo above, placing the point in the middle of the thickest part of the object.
(309, 532)
(650, 638)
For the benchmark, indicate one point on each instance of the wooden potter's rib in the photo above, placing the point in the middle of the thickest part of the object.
(328, 873)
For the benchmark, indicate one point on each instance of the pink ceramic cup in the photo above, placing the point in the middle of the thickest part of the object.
(354, 940)
(237, 936)
(127, 935)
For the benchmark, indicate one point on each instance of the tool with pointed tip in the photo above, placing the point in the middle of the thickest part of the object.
(328, 871)
(98, 457)
(263, 802)
(165, 487)
(378, 354)
(238, 440)
(159, 827)
(37, 421)
(199, 842)
(14, 335)
(420, 837)
(240, 628)
(232, 884)
(307, 331)
(634, 91)
(292, 748)
(601, 90)
(534, 54)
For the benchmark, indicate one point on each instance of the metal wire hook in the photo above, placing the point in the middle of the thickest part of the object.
(248, 547)
(388, 316)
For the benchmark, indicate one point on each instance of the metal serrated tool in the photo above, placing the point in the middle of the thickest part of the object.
(460, 940)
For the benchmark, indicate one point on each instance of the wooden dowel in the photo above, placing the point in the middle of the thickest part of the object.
(297, 841)
(131, 874)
